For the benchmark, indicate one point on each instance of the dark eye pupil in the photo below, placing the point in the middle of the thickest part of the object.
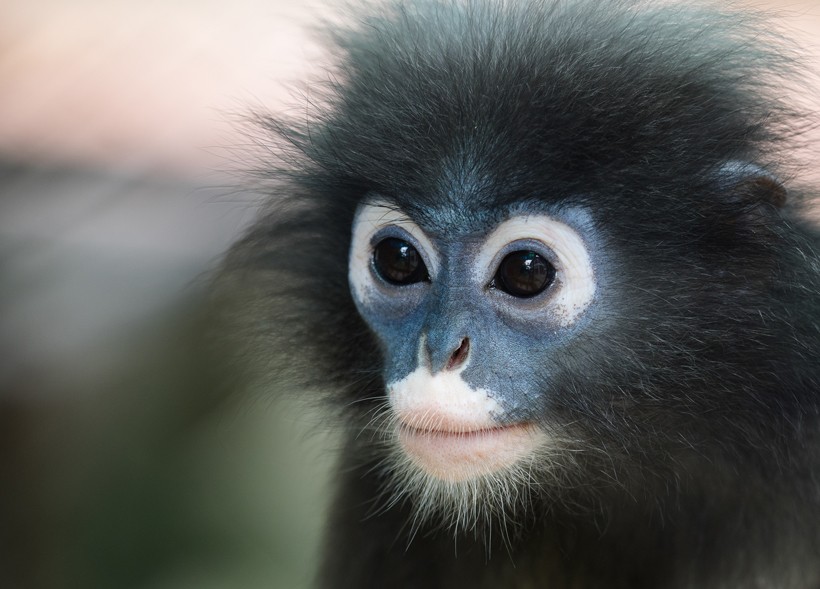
(398, 262)
(524, 274)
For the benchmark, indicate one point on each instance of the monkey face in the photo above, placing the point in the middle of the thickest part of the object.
(468, 321)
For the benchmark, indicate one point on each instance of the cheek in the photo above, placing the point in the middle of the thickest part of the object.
(397, 332)
(452, 431)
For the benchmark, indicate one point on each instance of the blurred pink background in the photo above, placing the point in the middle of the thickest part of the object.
(145, 86)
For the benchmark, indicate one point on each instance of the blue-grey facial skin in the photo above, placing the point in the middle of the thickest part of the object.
(512, 340)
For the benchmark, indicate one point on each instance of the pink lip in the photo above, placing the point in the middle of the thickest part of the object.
(458, 454)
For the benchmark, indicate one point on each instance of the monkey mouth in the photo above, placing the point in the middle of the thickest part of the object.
(455, 431)
(461, 453)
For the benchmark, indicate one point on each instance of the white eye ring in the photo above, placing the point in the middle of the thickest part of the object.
(575, 276)
(370, 218)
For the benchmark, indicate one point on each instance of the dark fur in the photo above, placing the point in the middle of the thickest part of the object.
(694, 401)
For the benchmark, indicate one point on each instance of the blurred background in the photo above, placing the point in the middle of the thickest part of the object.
(121, 182)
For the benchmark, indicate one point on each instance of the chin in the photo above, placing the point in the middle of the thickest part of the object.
(467, 480)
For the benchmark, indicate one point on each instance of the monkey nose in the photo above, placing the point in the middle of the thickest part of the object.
(449, 357)
(459, 355)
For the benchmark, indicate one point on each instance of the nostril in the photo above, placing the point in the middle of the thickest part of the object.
(459, 356)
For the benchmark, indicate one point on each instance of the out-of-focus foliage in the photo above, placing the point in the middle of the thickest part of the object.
(123, 464)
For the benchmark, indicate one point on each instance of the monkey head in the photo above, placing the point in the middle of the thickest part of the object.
(468, 318)
(540, 250)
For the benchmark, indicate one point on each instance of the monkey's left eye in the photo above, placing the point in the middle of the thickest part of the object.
(524, 274)
(398, 262)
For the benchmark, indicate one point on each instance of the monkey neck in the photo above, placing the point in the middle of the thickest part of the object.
(617, 540)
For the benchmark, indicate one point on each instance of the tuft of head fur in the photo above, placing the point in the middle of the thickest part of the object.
(630, 108)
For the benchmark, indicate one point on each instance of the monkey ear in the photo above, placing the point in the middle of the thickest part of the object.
(751, 185)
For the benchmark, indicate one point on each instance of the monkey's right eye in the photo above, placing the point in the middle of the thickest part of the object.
(398, 262)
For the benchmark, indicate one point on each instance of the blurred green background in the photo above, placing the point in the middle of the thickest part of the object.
(121, 463)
